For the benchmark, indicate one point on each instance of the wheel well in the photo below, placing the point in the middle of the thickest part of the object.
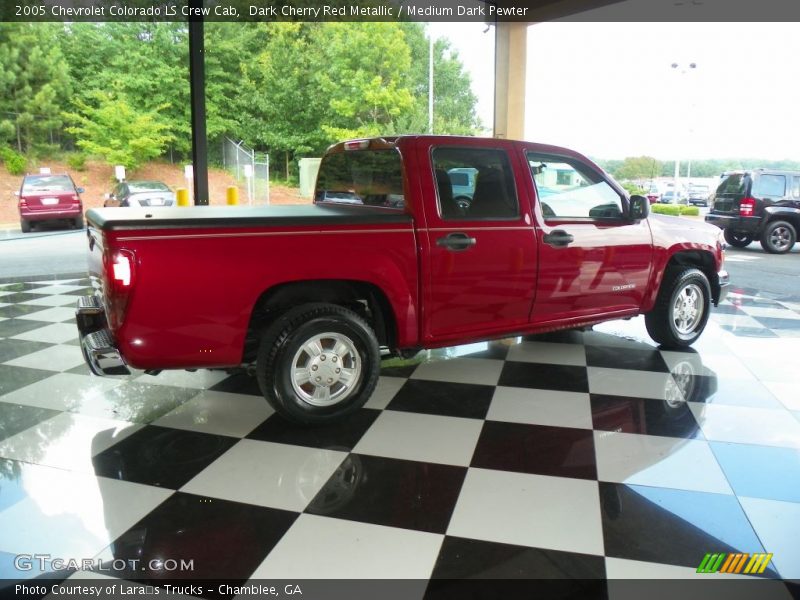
(700, 260)
(365, 299)
(790, 217)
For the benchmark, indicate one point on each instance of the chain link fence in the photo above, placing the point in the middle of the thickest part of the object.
(250, 169)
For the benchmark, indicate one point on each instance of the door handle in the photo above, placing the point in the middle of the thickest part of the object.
(558, 238)
(456, 242)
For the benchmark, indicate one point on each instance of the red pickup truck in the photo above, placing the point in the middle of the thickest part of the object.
(387, 260)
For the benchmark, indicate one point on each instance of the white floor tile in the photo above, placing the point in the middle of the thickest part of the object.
(622, 568)
(201, 379)
(658, 462)
(770, 367)
(461, 370)
(541, 407)
(735, 321)
(64, 391)
(57, 333)
(788, 394)
(747, 425)
(56, 314)
(220, 413)
(772, 313)
(55, 358)
(73, 515)
(66, 441)
(712, 365)
(267, 474)
(340, 549)
(384, 392)
(425, 438)
(636, 384)
(529, 510)
(53, 301)
(57, 288)
(777, 525)
(548, 352)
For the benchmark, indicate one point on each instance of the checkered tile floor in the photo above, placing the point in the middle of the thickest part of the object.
(579, 455)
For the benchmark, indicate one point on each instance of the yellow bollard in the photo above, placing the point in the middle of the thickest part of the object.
(232, 195)
(182, 196)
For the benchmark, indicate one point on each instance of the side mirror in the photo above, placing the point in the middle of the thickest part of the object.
(80, 190)
(638, 208)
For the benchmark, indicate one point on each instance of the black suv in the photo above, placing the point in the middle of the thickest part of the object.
(762, 204)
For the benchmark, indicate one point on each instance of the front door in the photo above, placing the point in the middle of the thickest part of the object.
(592, 259)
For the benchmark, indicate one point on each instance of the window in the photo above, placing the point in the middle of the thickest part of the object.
(474, 184)
(362, 177)
(796, 186)
(770, 185)
(567, 189)
(47, 183)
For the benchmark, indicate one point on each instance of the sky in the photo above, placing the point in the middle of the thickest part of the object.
(609, 89)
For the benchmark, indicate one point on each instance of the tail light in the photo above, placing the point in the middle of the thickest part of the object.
(747, 207)
(23, 202)
(120, 267)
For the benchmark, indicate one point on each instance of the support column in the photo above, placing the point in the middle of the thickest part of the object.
(509, 80)
(197, 81)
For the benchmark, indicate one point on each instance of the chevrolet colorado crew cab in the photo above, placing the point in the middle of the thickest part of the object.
(386, 260)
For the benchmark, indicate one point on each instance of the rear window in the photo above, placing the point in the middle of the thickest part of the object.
(362, 177)
(47, 183)
(735, 183)
(147, 186)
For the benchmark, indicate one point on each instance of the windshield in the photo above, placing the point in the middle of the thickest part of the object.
(47, 183)
(366, 177)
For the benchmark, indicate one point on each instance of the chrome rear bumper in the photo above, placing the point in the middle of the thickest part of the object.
(97, 342)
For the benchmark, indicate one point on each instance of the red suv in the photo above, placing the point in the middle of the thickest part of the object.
(47, 198)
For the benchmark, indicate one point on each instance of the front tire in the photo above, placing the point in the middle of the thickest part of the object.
(737, 239)
(681, 310)
(318, 363)
(778, 237)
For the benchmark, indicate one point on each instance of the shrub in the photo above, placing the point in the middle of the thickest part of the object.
(666, 209)
(690, 211)
(16, 164)
(77, 161)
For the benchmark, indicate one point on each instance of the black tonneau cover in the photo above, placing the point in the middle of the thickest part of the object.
(124, 219)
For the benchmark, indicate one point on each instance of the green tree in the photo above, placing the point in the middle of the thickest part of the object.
(640, 167)
(35, 84)
(113, 130)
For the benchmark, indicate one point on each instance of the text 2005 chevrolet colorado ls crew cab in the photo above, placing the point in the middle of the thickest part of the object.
(412, 242)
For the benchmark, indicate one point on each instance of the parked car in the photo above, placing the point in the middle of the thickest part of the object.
(653, 194)
(49, 198)
(308, 298)
(670, 197)
(762, 204)
(140, 193)
(698, 195)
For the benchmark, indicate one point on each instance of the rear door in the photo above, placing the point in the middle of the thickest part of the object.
(732, 188)
(47, 193)
(481, 255)
(592, 259)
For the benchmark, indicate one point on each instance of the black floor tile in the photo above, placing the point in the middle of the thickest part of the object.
(565, 336)
(240, 383)
(544, 376)
(392, 492)
(778, 323)
(11, 349)
(639, 359)
(15, 310)
(223, 539)
(341, 436)
(760, 471)
(13, 378)
(85, 291)
(161, 456)
(462, 558)
(21, 298)
(728, 309)
(15, 418)
(673, 527)
(12, 327)
(758, 332)
(448, 399)
(539, 449)
(490, 350)
(644, 416)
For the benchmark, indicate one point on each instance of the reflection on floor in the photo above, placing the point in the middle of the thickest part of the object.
(577, 455)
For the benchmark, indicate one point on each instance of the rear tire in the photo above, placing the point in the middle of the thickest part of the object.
(738, 239)
(318, 363)
(682, 308)
(25, 226)
(778, 237)
(78, 222)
